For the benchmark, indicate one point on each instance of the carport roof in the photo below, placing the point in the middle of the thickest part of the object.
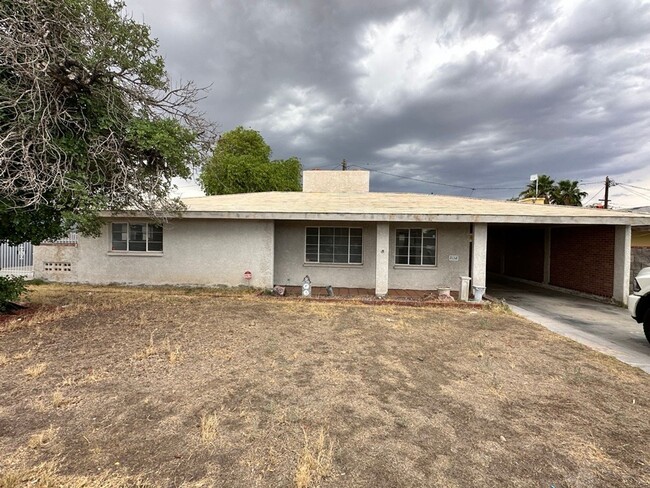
(396, 207)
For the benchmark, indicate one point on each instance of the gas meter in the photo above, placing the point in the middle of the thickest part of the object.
(306, 287)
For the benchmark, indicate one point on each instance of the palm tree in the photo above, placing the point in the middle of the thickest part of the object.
(567, 192)
(542, 188)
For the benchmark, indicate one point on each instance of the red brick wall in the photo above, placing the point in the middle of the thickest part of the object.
(517, 251)
(582, 259)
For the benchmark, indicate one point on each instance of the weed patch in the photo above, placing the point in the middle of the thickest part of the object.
(315, 461)
(209, 428)
(42, 439)
(35, 370)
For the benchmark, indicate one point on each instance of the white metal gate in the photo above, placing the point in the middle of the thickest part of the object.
(17, 260)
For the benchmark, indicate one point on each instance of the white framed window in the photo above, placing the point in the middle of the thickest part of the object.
(415, 247)
(334, 245)
(136, 237)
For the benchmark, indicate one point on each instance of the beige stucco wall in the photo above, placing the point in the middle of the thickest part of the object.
(196, 252)
(217, 252)
(290, 266)
(452, 240)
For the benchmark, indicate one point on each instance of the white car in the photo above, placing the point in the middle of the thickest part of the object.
(639, 302)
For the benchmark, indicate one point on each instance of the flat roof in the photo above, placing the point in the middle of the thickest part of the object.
(396, 207)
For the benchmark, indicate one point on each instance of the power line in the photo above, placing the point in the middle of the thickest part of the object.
(449, 185)
(463, 187)
(633, 186)
(595, 195)
(628, 192)
(331, 166)
(634, 192)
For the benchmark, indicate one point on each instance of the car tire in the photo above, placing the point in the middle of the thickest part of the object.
(646, 325)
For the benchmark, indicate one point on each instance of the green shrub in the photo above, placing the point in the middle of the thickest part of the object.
(10, 290)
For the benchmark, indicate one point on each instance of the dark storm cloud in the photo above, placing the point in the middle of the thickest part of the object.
(599, 21)
(473, 93)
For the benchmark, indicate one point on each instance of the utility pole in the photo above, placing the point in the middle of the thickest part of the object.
(607, 183)
(344, 165)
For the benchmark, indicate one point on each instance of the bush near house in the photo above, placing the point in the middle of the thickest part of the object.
(11, 288)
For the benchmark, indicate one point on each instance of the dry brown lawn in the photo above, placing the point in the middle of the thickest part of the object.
(117, 387)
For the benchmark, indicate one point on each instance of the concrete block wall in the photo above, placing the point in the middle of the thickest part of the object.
(56, 262)
(640, 259)
(582, 259)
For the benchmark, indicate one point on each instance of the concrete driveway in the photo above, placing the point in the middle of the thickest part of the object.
(606, 328)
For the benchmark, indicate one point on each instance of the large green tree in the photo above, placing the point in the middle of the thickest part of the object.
(89, 119)
(241, 163)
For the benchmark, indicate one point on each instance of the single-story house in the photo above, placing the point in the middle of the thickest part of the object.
(341, 234)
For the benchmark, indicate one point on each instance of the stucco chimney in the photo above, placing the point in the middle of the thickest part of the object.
(316, 181)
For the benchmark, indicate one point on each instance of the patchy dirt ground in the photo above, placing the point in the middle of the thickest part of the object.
(164, 387)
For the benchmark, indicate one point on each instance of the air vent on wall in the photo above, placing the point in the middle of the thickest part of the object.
(57, 266)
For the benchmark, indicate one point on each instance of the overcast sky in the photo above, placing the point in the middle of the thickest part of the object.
(469, 93)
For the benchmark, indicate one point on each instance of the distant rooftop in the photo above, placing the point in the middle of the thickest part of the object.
(640, 209)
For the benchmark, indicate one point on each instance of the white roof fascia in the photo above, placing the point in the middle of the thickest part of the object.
(632, 219)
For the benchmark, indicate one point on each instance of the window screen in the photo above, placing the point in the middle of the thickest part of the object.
(415, 247)
(136, 237)
(337, 245)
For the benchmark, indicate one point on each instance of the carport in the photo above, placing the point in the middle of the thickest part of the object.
(589, 259)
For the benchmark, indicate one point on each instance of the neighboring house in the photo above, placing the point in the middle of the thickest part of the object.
(534, 201)
(641, 236)
(340, 234)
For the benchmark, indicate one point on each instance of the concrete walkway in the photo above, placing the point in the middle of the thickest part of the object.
(606, 328)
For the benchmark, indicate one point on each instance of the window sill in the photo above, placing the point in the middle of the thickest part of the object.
(333, 265)
(148, 254)
(415, 266)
